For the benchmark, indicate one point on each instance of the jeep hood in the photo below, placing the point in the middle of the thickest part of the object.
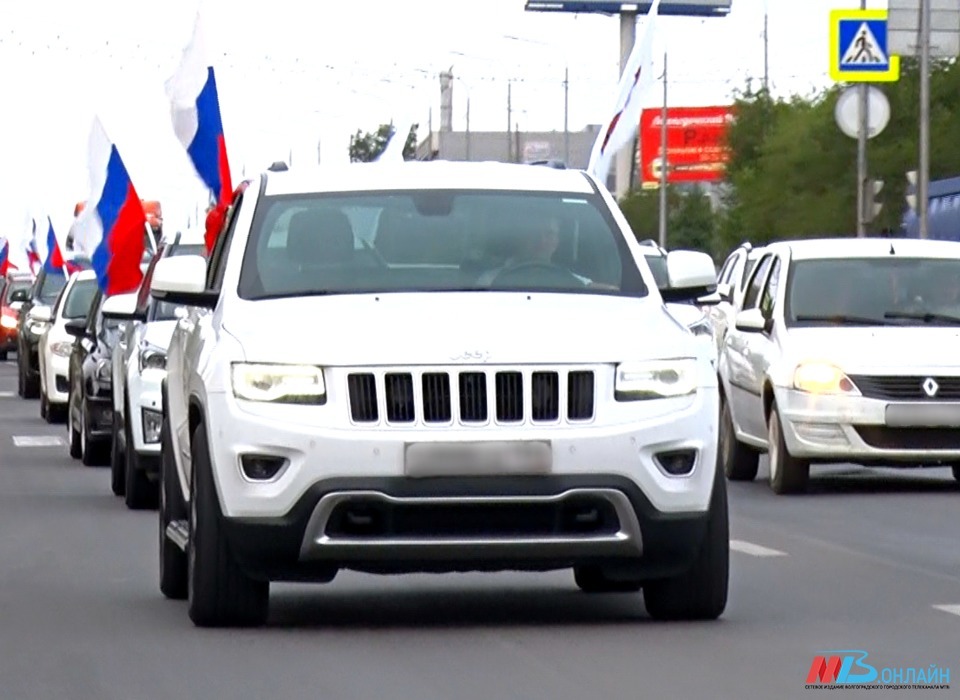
(456, 328)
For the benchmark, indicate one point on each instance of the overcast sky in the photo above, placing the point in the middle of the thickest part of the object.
(298, 76)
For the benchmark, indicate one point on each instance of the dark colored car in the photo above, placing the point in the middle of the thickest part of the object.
(90, 402)
(14, 290)
(44, 292)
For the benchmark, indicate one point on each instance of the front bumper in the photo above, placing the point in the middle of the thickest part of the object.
(862, 430)
(56, 381)
(419, 526)
(99, 412)
(625, 447)
(145, 401)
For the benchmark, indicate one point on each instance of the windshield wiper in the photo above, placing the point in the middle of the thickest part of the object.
(844, 318)
(926, 317)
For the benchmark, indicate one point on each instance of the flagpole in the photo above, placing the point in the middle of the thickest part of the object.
(663, 159)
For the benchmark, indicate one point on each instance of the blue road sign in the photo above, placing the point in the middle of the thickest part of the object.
(859, 51)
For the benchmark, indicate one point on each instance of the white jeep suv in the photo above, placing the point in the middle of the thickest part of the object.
(435, 367)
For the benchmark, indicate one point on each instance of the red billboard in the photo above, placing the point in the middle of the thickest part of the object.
(696, 144)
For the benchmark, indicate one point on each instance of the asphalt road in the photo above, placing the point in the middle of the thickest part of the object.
(859, 563)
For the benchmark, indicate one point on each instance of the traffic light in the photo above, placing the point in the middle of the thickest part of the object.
(872, 206)
(912, 190)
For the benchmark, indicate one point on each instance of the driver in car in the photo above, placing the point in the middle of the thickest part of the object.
(533, 247)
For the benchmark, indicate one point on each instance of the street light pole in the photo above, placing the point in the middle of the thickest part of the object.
(864, 119)
(566, 116)
(923, 177)
(663, 159)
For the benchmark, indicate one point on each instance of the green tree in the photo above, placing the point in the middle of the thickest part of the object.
(366, 147)
(691, 222)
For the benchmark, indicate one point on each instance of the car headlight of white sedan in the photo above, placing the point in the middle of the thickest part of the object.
(61, 348)
(816, 377)
(288, 384)
(659, 379)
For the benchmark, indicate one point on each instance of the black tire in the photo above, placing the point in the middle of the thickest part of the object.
(91, 451)
(44, 407)
(173, 561)
(701, 592)
(591, 579)
(118, 465)
(31, 385)
(141, 493)
(740, 462)
(220, 594)
(73, 435)
(787, 474)
(3, 355)
(956, 472)
(20, 391)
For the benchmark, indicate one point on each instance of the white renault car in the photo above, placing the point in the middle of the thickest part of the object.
(55, 344)
(414, 367)
(731, 285)
(844, 350)
(139, 365)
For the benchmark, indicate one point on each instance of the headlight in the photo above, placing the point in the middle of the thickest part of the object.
(8, 321)
(702, 327)
(152, 358)
(301, 384)
(104, 371)
(822, 378)
(61, 349)
(656, 380)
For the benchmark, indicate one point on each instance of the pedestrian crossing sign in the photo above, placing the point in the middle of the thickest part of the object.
(859, 52)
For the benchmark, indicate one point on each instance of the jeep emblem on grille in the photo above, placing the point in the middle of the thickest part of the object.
(930, 387)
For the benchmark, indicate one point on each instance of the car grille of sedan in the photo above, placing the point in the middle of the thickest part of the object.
(471, 397)
(900, 388)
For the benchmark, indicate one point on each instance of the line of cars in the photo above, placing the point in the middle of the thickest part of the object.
(437, 367)
(839, 351)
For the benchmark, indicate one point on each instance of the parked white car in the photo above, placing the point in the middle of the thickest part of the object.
(731, 284)
(844, 351)
(55, 344)
(139, 366)
(418, 368)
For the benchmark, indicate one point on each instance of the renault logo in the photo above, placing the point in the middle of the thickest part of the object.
(930, 387)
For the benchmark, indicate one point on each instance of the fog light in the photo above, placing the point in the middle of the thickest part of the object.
(261, 467)
(678, 462)
(151, 426)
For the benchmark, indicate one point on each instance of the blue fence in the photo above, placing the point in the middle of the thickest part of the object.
(943, 213)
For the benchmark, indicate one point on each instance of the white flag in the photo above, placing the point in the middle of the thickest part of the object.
(622, 127)
(394, 148)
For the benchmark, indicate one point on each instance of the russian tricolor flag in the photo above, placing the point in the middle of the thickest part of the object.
(195, 110)
(53, 260)
(5, 264)
(111, 228)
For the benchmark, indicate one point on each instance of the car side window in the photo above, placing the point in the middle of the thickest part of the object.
(143, 294)
(94, 313)
(769, 298)
(727, 270)
(755, 285)
(218, 256)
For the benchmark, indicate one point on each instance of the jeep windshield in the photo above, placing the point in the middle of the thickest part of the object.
(874, 291)
(434, 241)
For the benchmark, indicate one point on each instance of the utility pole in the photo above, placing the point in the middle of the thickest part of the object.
(628, 36)
(766, 54)
(864, 118)
(468, 130)
(509, 124)
(566, 116)
(923, 177)
(663, 159)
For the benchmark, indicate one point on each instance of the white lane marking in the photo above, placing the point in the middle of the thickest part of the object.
(952, 609)
(7, 394)
(37, 441)
(755, 550)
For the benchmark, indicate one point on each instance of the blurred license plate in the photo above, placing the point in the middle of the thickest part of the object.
(478, 458)
(918, 415)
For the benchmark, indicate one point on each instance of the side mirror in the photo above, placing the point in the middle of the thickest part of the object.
(77, 328)
(182, 280)
(43, 314)
(18, 296)
(753, 321)
(725, 292)
(120, 307)
(691, 275)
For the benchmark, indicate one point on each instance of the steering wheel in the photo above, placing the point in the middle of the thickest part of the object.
(563, 276)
